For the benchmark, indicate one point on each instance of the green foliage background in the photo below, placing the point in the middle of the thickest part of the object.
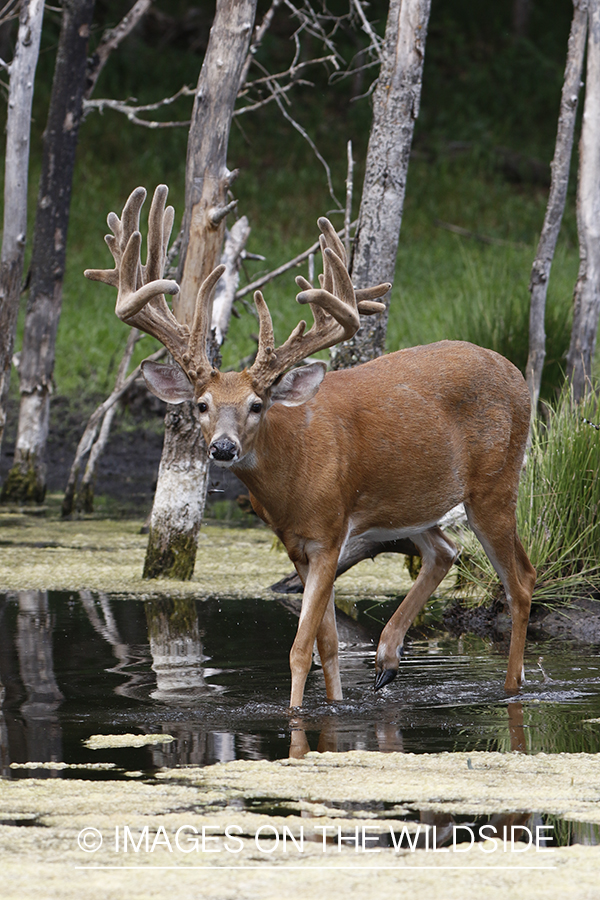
(486, 95)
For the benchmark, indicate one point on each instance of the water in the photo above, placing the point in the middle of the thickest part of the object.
(214, 674)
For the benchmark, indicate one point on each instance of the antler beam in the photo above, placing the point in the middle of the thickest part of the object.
(141, 288)
(335, 305)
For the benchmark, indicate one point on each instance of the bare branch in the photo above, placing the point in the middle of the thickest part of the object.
(9, 11)
(270, 276)
(89, 435)
(310, 142)
(132, 112)
(266, 100)
(290, 72)
(376, 42)
(259, 33)
(348, 211)
(110, 41)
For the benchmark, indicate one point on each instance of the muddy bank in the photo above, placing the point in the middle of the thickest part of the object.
(127, 471)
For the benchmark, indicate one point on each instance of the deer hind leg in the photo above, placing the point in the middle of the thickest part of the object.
(494, 523)
(438, 553)
(317, 622)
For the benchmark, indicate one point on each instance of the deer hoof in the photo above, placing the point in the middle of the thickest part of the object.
(384, 677)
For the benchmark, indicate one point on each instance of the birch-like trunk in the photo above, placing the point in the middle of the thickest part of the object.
(586, 298)
(540, 271)
(182, 478)
(395, 108)
(18, 127)
(27, 479)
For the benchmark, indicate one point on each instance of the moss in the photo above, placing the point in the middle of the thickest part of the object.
(24, 483)
(172, 616)
(176, 560)
(85, 498)
(413, 566)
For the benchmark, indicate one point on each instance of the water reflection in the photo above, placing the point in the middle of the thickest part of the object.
(214, 674)
(30, 726)
(176, 649)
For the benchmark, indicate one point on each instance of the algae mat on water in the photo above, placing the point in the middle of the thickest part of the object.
(39, 553)
(264, 824)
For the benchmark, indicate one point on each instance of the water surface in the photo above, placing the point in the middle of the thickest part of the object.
(214, 674)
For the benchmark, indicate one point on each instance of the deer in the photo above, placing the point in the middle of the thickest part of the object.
(380, 451)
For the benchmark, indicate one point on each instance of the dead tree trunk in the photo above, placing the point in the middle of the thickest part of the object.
(27, 479)
(586, 298)
(395, 108)
(18, 126)
(74, 78)
(540, 271)
(181, 489)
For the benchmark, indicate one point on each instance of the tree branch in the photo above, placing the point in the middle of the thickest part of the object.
(110, 40)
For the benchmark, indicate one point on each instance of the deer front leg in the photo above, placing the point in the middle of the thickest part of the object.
(317, 621)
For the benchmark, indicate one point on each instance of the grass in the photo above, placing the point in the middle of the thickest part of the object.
(557, 510)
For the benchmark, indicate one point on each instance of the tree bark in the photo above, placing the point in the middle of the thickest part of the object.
(183, 473)
(540, 271)
(395, 109)
(27, 479)
(586, 299)
(18, 127)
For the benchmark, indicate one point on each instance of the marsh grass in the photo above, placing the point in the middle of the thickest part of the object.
(557, 509)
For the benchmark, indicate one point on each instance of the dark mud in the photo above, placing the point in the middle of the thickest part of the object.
(128, 469)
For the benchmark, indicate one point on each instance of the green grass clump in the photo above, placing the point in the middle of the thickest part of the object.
(557, 510)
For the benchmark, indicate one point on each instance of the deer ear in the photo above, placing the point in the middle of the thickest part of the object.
(299, 385)
(168, 383)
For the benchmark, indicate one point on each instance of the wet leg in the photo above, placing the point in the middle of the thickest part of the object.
(317, 621)
(438, 553)
(495, 526)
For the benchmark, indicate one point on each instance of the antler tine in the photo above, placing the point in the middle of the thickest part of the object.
(196, 361)
(335, 306)
(266, 358)
(160, 223)
(141, 290)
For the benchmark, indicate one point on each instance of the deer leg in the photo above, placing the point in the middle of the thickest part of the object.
(438, 553)
(317, 621)
(328, 646)
(495, 526)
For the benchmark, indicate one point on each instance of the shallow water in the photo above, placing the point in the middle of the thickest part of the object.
(214, 674)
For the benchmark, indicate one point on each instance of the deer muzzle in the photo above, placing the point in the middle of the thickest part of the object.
(224, 451)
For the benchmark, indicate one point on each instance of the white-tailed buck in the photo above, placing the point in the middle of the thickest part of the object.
(384, 449)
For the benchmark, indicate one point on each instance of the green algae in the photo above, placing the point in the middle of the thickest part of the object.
(43, 553)
(42, 823)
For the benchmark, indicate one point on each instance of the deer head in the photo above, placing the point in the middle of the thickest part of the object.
(231, 404)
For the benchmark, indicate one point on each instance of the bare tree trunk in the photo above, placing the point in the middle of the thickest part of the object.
(540, 271)
(89, 437)
(74, 78)
(18, 127)
(27, 479)
(395, 108)
(586, 299)
(85, 495)
(181, 489)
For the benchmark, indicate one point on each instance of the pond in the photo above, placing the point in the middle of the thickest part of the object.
(214, 675)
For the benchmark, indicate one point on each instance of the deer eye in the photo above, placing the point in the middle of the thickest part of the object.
(256, 407)
(202, 406)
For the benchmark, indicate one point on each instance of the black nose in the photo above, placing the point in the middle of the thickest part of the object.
(223, 449)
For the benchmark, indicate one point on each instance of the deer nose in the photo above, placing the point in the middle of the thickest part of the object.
(223, 450)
